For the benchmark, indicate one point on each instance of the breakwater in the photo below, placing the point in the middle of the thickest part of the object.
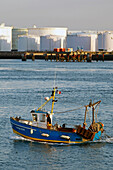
(59, 56)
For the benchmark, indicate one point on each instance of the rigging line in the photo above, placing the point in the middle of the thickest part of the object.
(70, 110)
(97, 105)
(97, 113)
(106, 134)
(55, 77)
(89, 115)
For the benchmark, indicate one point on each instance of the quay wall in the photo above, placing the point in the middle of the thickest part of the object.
(19, 55)
(52, 55)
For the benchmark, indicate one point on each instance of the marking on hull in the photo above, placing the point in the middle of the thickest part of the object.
(22, 126)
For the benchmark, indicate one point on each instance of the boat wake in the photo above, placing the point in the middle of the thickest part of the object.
(19, 138)
(109, 140)
(104, 141)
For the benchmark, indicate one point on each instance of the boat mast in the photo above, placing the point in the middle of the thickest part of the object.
(93, 118)
(93, 110)
(84, 124)
(53, 101)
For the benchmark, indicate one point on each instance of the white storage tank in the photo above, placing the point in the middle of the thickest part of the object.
(100, 42)
(33, 43)
(5, 38)
(48, 31)
(94, 42)
(4, 45)
(50, 38)
(28, 43)
(105, 41)
(78, 42)
(108, 41)
(22, 43)
(16, 32)
(48, 43)
(82, 40)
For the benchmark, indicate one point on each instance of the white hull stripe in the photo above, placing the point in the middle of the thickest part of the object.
(23, 126)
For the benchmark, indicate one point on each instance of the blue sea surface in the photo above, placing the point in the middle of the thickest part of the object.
(23, 86)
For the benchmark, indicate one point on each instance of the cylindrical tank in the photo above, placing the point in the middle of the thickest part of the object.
(73, 41)
(105, 41)
(49, 43)
(47, 31)
(28, 43)
(5, 38)
(50, 38)
(100, 41)
(16, 32)
(85, 41)
(108, 41)
(22, 43)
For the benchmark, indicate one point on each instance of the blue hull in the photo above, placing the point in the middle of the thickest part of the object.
(46, 135)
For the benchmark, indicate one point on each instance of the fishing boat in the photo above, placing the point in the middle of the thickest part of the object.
(41, 129)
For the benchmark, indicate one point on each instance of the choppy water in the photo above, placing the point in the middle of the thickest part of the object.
(23, 85)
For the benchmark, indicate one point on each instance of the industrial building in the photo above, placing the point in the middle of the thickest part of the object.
(86, 41)
(5, 38)
(105, 41)
(50, 38)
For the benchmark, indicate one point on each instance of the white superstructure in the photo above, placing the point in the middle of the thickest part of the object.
(5, 38)
(82, 40)
(105, 41)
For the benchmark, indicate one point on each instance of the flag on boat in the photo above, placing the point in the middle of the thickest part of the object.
(58, 92)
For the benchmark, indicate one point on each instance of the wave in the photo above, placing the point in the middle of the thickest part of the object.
(20, 138)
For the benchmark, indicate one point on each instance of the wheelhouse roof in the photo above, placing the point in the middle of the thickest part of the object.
(39, 111)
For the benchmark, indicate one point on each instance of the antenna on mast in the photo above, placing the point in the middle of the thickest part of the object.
(55, 78)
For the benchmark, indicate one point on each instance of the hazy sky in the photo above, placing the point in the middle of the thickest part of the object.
(74, 14)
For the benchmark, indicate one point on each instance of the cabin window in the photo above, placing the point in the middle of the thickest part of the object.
(42, 119)
(34, 117)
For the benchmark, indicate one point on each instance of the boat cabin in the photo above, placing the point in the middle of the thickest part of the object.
(39, 118)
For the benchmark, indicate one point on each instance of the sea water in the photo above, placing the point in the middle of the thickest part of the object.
(23, 86)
